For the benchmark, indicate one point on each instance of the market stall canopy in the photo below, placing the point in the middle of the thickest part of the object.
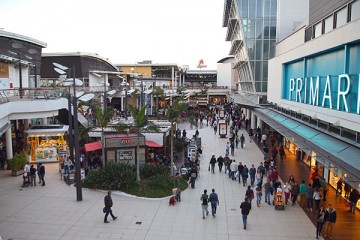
(93, 146)
(153, 144)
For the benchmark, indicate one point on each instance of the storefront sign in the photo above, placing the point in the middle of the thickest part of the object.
(328, 80)
(125, 141)
(125, 155)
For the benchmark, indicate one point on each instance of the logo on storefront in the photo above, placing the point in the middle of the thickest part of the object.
(328, 80)
(125, 141)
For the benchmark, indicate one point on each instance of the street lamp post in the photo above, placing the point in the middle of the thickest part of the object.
(124, 85)
(75, 128)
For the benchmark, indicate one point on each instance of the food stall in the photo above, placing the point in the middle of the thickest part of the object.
(47, 143)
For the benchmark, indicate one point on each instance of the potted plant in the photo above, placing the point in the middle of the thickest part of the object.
(17, 164)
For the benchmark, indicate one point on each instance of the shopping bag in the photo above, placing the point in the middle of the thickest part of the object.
(244, 144)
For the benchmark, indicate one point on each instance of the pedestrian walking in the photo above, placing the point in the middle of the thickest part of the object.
(227, 148)
(214, 200)
(227, 163)
(220, 162)
(32, 175)
(41, 172)
(212, 163)
(245, 210)
(295, 192)
(108, 205)
(193, 177)
(309, 197)
(339, 187)
(268, 190)
(232, 148)
(303, 189)
(204, 203)
(258, 190)
(249, 194)
(252, 173)
(353, 198)
(282, 153)
(317, 198)
(245, 175)
(233, 168)
(242, 141)
(329, 219)
(240, 171)
(67, 165)
(320, 221)
(287, 191)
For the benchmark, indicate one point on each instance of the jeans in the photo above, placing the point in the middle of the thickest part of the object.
(309, 203)
(66, 169)
(294, 198)
(42, 178)
(258, 198)
(244, 180)
(267, 196)
(33, 180)
(244, 217)
(204, 210)
(328, 229)
(213, 168)
(240, 176)
(252, 179)
(213, 208)
(319, 225)
(220, 168)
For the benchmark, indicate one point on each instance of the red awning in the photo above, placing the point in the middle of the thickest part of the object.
(153, 144)
(93, 146)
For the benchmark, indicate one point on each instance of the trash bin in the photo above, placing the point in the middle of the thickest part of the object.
(298, 155)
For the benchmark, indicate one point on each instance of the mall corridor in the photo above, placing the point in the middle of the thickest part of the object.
(347, 224)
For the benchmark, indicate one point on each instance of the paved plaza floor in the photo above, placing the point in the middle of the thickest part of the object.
(52, 212)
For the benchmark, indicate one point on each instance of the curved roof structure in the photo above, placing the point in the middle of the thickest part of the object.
(22, 38)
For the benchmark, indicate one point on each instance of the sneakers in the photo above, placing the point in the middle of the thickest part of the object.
(106, 221)
(114, 218)
(244, 227)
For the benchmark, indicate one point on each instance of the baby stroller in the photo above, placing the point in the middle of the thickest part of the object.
(279, 201)
(26, 180)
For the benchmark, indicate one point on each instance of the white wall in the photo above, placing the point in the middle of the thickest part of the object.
(224, 73)
(289, 14)
(344, 34)
(14, 76)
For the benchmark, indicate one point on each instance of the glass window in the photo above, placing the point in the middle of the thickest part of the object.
(272, 48)
(251, 49)
(258, 71)
(266, 29)
(259, 50)
(341, 17)
(252, 8)
(264, 86)
(266, 8)
(308, 34)
(251, 29)
(273, 8)
(317, 30)
(259, 30)
(328, 24)
(259, 9)
(265, 71)
(272, 29)
(244, 8)
(355, 10)
(266, 49)
(258, 86)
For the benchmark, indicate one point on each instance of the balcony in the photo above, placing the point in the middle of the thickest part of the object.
(231, 28)
(235, 46)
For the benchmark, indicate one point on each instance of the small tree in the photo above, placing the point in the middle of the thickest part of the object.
(140, 123)
(158, 92)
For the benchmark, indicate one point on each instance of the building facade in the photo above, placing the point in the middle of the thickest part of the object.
(254, 27)
(317, 107)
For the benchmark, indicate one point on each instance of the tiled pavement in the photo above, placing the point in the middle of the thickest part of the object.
(52, 212)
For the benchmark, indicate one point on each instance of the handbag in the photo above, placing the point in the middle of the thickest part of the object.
(104, 210)
(209, 168)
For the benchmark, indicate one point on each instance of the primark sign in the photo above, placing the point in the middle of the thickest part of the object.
(328, 80)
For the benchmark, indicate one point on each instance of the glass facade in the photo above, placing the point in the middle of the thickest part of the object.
(257, 20)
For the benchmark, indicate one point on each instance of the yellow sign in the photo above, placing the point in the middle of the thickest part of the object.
(4, 70)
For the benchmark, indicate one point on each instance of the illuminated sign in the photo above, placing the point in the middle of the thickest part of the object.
(329, 79)
(125, 155)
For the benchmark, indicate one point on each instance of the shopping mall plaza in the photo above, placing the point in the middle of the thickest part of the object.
(293, 68)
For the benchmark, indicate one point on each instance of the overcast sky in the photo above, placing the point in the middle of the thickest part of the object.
(124, 31)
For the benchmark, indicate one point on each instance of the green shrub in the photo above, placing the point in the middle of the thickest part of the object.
(150, 170)
(18, 162)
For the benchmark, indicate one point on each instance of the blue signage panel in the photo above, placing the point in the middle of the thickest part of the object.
(330, 79)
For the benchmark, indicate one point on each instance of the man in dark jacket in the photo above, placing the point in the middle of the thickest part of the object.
(212, 163)
(245, 210)
(107, 209)
(329, 219)
(240, 170)
(220, 162)
(214, 200)
(353, 198)
(41, 172)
